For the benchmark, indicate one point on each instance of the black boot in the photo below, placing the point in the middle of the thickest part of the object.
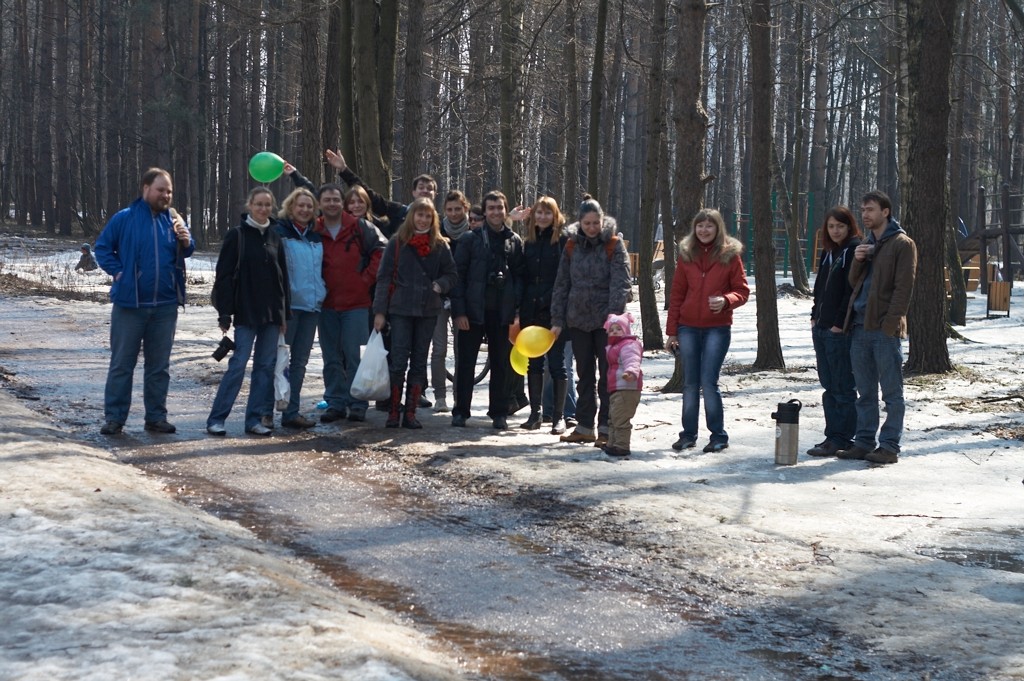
(395, 408)
(560, 389)
(535, 384)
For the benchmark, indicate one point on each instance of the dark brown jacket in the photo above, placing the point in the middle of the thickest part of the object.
(893, 269)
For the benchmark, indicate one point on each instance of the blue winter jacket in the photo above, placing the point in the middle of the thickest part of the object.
(140, 251)
(305, 256)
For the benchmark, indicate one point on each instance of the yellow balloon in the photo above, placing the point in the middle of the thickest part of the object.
(534, 341)
(519, 362)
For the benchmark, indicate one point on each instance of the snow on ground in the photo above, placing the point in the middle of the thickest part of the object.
(104, 577)
(925, 556)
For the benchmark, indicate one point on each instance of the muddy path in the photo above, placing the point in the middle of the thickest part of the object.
(519, 580)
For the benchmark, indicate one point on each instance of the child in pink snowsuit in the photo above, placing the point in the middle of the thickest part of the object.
(625, 380)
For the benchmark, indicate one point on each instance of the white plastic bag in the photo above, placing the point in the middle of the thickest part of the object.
(373, 377)
(282, 386)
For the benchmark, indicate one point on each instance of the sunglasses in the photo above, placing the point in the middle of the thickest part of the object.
(476, 218)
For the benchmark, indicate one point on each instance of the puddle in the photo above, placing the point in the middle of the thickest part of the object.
(1007, 561)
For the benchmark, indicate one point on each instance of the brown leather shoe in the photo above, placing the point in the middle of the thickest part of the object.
(854, 452)
(298, 421)
(882, 455)
(826, 448)
(577, 436)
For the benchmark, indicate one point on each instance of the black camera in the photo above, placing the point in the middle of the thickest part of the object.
(225, 346)
(497, 279)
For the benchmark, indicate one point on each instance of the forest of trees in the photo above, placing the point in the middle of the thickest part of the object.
(649, 105)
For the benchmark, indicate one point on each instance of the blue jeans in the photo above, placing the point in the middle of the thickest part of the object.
(835, 374)
(261, 343)
(878, 362)
(703, 352)
(300, 334)
(570, 395)
(152, 330)
(341, 334)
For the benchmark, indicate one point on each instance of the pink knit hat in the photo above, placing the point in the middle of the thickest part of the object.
(624, 320)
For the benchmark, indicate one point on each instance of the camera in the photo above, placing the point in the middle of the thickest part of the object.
(225, 346)
(497, 279)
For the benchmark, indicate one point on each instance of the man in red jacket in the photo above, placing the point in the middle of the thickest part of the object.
(352, 252)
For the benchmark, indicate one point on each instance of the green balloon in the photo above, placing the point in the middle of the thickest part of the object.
(266, 166)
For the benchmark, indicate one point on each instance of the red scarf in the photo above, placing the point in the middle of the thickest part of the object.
(421, 242)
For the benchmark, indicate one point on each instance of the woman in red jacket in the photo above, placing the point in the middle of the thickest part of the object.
(709, 284)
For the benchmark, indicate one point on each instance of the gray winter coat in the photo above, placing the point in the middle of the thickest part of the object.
(593, 280)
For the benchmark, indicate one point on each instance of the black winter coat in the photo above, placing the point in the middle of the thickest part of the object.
(476, 267)
(407, 288)
(251, 285)
(541, 258)
(832, 288)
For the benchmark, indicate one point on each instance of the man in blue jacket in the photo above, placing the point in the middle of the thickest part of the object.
(143, 248)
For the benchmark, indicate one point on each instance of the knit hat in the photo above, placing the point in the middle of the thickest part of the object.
(624, 320)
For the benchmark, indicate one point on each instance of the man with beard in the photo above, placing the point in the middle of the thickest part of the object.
(882, 276)
(143, 248)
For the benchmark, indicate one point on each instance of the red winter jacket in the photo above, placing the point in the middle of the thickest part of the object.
(350, 263)
(702, 276)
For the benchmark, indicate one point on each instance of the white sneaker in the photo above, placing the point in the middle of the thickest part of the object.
(216, 429)
(259, 429)
(440, 405)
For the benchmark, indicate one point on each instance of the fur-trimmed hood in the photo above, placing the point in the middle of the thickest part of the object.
(608, 230)
(731, 247)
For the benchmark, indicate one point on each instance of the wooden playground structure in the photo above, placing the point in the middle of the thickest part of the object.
(998, 246)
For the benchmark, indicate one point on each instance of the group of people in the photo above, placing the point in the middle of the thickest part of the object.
(322, 265)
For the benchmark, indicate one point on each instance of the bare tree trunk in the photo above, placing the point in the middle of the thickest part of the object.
(931, 26)
(347, 132)
(571, 173)
(234, 162)
(309, 105)
(769, 347)
(413, 128)
(817, 193)
(42, 212)
(794, 226)
(387, 54)
(87, 132)
(596, 101)
(957, 307)
(690, 120)
(332, 112)
(366, 85)
(510, 109)
(654, 130)
(478, 25)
